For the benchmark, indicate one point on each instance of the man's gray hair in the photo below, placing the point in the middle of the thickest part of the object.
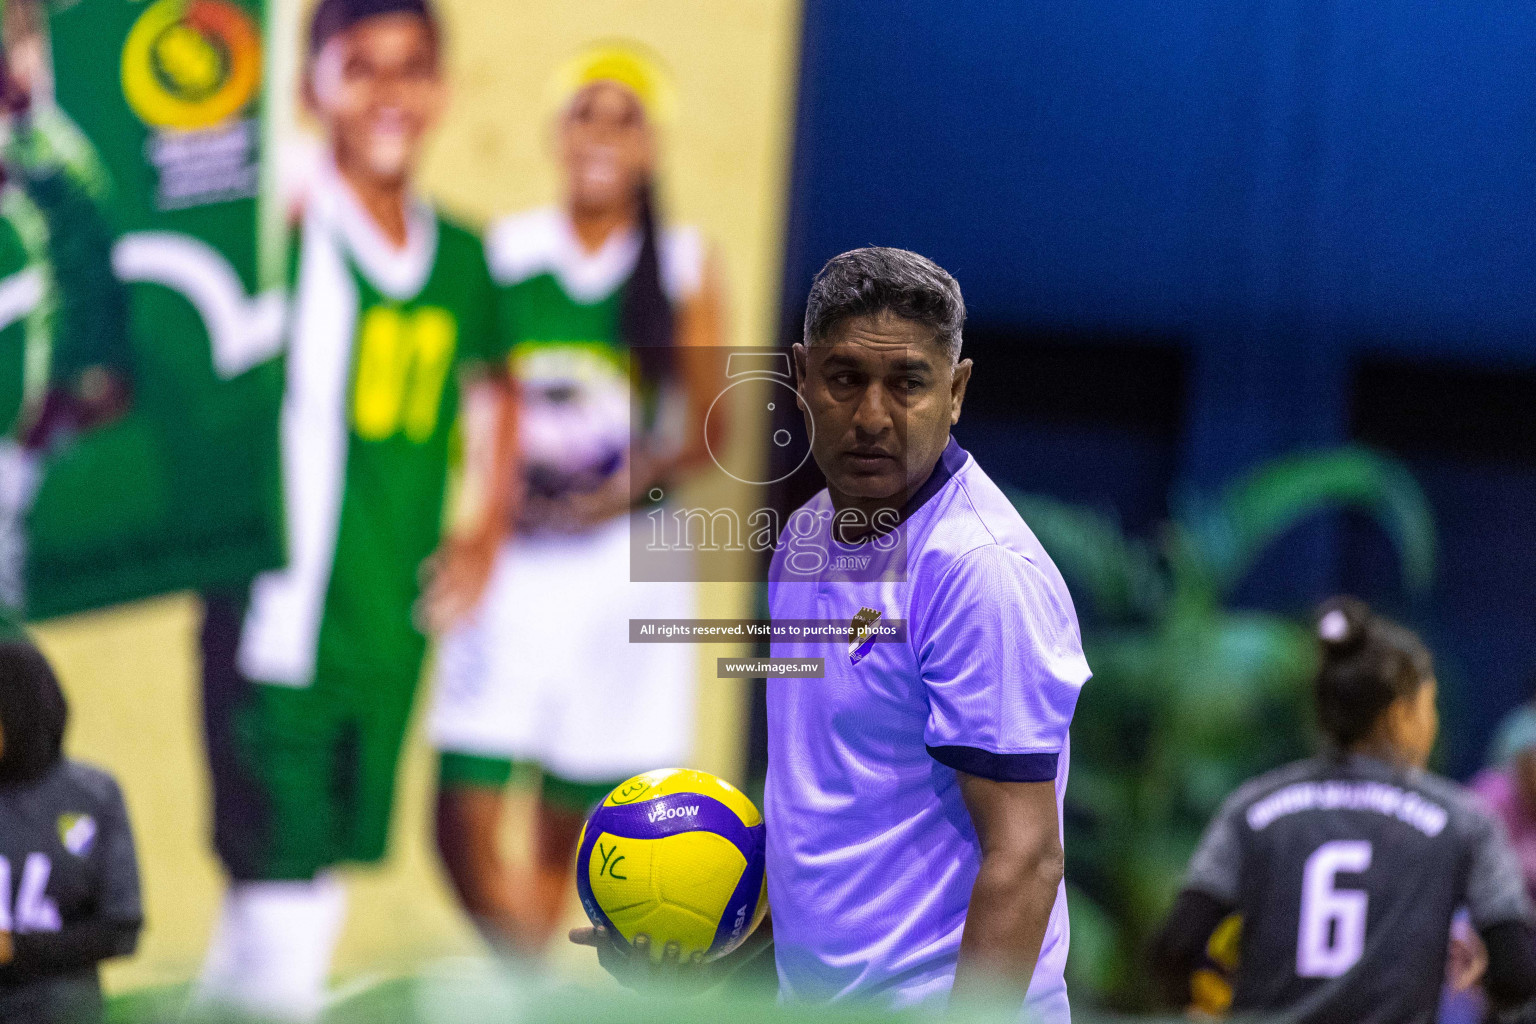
(867, 282)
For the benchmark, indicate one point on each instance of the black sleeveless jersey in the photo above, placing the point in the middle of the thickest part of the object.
(1347, 873)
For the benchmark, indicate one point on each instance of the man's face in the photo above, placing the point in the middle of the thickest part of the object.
(879, 396)
(378, 89)
(606, 147)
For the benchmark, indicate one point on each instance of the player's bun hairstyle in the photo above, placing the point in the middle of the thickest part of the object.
(333, 17)
(1368, 661)
(32, 713)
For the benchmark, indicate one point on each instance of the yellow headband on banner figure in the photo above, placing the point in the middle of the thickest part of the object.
(624, 64)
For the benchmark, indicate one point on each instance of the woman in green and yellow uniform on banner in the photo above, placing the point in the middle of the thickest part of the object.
(615, 327)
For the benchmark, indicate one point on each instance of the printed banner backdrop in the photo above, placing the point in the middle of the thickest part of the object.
(130, 672)
(158, 109)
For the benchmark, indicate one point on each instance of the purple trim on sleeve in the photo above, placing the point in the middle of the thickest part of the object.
(998, 767)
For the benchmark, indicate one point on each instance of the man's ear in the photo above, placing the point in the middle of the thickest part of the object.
(957, 383)
(800, 355)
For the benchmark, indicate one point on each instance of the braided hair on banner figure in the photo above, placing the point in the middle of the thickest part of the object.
(647, 321)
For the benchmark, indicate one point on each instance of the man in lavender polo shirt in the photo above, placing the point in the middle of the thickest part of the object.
(913, 802)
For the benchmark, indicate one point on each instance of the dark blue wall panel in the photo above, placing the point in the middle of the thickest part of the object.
(1275, 189)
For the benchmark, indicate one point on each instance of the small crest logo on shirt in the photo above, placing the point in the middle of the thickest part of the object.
(78, 833)
(861, 634)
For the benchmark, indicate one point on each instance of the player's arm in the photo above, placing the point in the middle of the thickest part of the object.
(1501, 912)
(1021, 871)
(79, 944)
(491, 472)
(1209, 896)
(1510, 975)
(1178, 949)
(488, 493)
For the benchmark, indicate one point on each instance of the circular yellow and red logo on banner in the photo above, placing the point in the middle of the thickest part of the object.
(191, 64)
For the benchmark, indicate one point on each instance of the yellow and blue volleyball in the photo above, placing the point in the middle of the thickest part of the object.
(676, 855)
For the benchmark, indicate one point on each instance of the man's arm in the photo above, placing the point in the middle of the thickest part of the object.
(1021, 871)
(637, 970)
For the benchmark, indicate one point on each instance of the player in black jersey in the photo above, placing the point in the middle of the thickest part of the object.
(69, 881)
(1347, 869)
